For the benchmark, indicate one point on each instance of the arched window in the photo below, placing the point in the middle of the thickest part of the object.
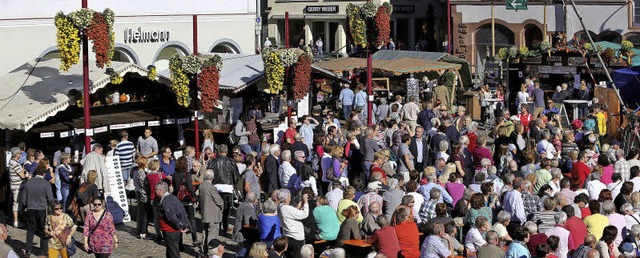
(504, 36)
(123, 55)
(610, 36)
(225, 48)
(634, 38)
(163, 57)
(532, 36)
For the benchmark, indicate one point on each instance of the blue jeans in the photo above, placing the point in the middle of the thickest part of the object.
(125, 174)
(65, 195)
(257, 147)
(346, 110)
(246, 149)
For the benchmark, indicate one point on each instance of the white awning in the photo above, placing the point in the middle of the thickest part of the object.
(39, 89)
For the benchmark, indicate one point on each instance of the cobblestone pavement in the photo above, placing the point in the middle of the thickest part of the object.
(129, 245)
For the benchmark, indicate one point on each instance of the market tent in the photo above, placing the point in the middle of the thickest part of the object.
(465, 70)
(627, 80)
(240, 71)
(38, 90)
(397, 66)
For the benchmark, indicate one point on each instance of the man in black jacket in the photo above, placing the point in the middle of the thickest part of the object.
(225, 173)
(419, 147)
(271, 165)
(173, 220)
(35, 197)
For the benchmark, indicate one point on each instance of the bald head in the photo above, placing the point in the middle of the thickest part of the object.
(590, 240)
(593, 254)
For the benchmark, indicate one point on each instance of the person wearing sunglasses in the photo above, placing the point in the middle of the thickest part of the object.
(60, 227)
(99, 231)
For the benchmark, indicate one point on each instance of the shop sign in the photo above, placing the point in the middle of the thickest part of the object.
(321, 9)
(183, 121)
(47, 135)
(576, 61)
(398, 8)
(532, 60)
(145, 36)
(554, 59)
(153, 123)
(556, 69)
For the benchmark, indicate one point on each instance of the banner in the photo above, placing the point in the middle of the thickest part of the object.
(116, 186)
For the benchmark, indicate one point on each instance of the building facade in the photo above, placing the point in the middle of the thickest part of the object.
(147, 32)
(412, 23)
(608, 20)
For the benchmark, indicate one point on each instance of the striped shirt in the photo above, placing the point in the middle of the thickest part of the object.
(15, 169)
(125, 149)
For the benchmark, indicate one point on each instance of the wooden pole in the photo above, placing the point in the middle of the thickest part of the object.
(493, 31)
(85, 86)
(544, 27)
(196, 122)
(369, 83)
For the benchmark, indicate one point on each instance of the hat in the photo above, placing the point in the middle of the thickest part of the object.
(373, 186)
(298, 153)
(615, 142)
(514, 118)
(215, 243)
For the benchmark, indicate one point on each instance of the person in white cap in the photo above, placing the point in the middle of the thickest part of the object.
(370, 197)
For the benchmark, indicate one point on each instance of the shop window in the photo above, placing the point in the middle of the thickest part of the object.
(163, 57)
(123, 55)
(532, 36)
(582, 38)
(636, 13)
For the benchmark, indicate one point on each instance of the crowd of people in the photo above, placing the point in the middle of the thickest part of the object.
(421, 182)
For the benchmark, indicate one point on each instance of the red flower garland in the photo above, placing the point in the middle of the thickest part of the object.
(98, 33)
(382, 20)
(209, 84)
(301, 77)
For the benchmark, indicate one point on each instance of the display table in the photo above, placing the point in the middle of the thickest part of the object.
(575, 103)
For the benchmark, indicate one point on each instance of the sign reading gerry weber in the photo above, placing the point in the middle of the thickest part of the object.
(321, 9)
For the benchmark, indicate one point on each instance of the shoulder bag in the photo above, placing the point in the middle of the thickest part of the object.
(89, 251)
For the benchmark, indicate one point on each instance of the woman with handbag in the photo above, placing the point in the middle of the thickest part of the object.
(61, 228)
(99, 231)
(184, 190)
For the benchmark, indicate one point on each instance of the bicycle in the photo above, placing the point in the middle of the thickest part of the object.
(631, 132)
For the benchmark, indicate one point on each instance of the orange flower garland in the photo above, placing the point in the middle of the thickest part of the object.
(209, 84)
(382, 19)
(98, 33)
(301, 77)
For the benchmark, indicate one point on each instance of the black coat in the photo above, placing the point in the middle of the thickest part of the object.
(413, 148)
(271, 168)
(225, 170)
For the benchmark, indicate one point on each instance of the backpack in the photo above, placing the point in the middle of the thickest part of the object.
(183, 192)
(233, 137)
(82, 195)
(239, 185)
(331, 176)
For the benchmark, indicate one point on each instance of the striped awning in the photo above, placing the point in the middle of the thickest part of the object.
(397, 67)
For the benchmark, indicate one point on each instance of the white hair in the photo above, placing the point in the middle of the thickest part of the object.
(208, 174)
(443, 146)
(338, 253)
(464, 140)
(531, 226)
(283, 194)
(286, 155)
(504, 216)
(485, 162)
(306, 251)
(560, 217)
(273, 149)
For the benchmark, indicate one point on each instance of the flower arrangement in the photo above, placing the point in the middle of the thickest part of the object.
(275, 72)
(209, 84)
(626, 45)
(357, 25)
(98, 27)
(152, 72)
(513, 52)
(369, 10)
(114, 77)
(503, 53)
(289, 58)
(301, 77)
(523, 51)
(179, 82)
(68, 41)
(191, 64)
(382, 20)
(545, 46)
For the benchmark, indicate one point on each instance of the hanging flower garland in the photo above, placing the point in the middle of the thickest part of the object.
(98, 27)
(209, 84)
(382, 20)
(275, 72)
(301, 77)
(68, 41)
(152, 72)
(207, 74)
(357, 25)
(179, 82)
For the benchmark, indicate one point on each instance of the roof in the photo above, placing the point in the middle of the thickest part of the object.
(39, 89)
(240, 71)
(397, 66)
(465, 71)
